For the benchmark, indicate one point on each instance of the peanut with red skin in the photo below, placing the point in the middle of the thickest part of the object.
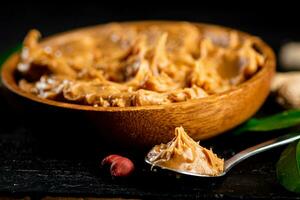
(119, 166)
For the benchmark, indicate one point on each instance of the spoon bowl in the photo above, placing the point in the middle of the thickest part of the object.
(239, 157)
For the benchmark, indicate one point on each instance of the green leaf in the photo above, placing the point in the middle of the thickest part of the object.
(288, 168)
(282, 120)
(6, 54)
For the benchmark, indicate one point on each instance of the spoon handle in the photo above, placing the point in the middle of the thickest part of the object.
(270, 144)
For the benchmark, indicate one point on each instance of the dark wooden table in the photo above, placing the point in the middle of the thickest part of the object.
(35, 166)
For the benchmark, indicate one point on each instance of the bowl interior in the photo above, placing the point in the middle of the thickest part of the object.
(9, 68)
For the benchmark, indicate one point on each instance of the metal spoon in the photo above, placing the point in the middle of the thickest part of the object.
(237, 158)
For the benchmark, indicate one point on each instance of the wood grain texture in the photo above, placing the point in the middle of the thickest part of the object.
(149, 125)
(35, 167)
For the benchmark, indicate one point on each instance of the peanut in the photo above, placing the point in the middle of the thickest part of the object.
(119, 166)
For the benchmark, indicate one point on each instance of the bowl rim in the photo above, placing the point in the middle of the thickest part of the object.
(9, 67)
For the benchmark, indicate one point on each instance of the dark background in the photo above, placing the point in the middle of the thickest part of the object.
(275, 23)
(33, 166)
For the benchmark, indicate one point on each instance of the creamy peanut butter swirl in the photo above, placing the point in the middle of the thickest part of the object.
(137, 64)
(183, 153)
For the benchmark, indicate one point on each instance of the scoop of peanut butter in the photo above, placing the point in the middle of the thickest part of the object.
(184, 154)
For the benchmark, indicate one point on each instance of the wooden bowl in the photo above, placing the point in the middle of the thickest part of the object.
(146, 126)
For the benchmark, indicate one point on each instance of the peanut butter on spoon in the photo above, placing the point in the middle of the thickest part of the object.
(184, 154)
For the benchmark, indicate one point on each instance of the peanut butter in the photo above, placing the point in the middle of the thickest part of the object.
(122, 65)
(184, 154)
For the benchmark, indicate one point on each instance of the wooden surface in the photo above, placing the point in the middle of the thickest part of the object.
(142, 127)
(35, 165)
